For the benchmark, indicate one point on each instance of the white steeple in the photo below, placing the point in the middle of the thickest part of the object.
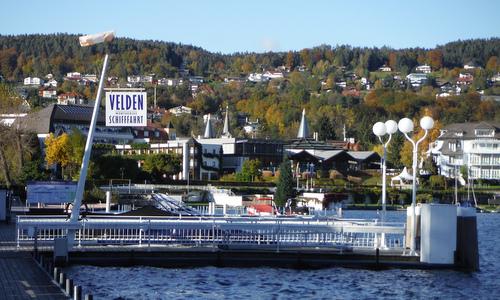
(209, 131)
(303, 129)
(225, 131)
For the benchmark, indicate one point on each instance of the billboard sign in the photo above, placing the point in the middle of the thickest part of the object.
(126, 108)
(51, 192)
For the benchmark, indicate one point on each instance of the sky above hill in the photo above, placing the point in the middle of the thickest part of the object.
(229, 26)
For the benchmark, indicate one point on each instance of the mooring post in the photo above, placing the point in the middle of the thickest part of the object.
(69, 286)
(77, 295)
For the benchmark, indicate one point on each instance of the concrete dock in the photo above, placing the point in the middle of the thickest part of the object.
(20, 276)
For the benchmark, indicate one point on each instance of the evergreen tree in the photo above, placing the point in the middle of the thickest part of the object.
(284, 188)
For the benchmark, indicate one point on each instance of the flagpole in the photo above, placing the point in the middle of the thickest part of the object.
(88, 146)
(88, 40)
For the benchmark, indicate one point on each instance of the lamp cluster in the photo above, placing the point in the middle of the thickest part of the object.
(390, 127)
(404, 125)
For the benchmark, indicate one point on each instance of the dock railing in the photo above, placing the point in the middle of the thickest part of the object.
(342, 234)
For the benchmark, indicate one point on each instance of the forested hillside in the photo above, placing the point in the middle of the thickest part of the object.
(25, 55)
(338, 85)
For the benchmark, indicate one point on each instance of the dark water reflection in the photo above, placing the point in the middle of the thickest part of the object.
(334, 283)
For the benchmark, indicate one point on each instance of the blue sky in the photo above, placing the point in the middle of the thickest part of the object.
(231, 26)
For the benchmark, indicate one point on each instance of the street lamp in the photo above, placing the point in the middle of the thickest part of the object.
(380, 129)
(405, 125)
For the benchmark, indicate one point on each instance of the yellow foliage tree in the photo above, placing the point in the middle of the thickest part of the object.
(407, 151)
(58, 150)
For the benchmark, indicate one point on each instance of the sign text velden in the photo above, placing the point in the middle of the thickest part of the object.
(126, 109)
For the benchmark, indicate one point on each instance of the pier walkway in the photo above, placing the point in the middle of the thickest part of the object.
(20, 276)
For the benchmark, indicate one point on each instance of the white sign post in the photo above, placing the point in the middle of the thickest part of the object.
(126, 108)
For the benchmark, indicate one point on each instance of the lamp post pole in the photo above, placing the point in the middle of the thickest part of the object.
(405, 125)
(380, 129)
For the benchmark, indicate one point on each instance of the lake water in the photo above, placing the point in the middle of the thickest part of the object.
(273, 283)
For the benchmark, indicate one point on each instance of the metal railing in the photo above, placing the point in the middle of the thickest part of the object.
(343, 234)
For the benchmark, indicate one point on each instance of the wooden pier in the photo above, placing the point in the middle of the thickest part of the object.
(20, 276)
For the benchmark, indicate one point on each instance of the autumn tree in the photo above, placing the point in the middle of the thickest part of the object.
(407, 150)
(435, 59)
(492, 65)
(290, 60)
(58, 150)
(393, 60)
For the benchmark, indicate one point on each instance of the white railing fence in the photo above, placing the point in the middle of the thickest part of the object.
(220, 232)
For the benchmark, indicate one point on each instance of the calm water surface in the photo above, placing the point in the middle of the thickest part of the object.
(271, 283)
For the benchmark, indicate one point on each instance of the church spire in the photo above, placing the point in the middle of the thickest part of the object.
(225, 131)
(209, 131)
(303, 129)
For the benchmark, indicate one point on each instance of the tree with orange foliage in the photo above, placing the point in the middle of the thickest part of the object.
(435, 59)
(493, 64)
(393, 60)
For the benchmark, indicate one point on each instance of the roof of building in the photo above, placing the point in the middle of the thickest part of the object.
(466, 131)
(42, 120)
(310, 144)
(363, 155)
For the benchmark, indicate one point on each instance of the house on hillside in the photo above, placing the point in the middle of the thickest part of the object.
(385, 68)
(257, 77)
(70, 98)
(273, 74)
(426, 69)
(74, 76)
(470, 66)
(180, 110)
(34, 81)
(51, 83)
(417, 79)
(47, 92)
(465, 79)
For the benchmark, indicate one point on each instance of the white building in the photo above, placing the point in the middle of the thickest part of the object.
(180, 110)
(170, 81)
(257, 77)
(273, 74)
(417, 79)
(385, 69)
(470, 66)
(90, 78)
(423, 69)
(474, 145)
(51, 83)
(70, 98)
(33, 81)
(47, 93)
(73, 76)
(496, 77)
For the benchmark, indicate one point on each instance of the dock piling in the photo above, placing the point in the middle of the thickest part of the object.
(62, 279)
(56, 274)
(69, 286)
(77, 295)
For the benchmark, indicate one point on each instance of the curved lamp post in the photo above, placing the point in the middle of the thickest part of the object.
(380, 129)
(405, 125)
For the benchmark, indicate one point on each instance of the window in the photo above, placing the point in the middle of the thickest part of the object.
(485, 132)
